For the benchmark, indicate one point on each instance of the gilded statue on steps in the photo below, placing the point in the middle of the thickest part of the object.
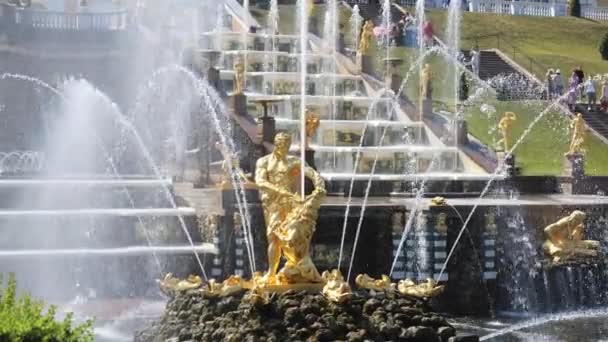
(231, 162)
(336, 289)
(564, 239)
(312, 124)
(290, 220)
(239, 77)
(426, 82)
(579, 131)
(504, 125)
(366, 38)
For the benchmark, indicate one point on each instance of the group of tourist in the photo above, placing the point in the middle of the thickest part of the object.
(578, 89)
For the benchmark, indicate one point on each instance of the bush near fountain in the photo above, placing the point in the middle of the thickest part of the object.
(297, 316)
(22, 319)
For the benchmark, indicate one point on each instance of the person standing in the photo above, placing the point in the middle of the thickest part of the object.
(572, 90)
(558, 83)
(581, 78)
(549, 86)
(590, 90)
(604, 98)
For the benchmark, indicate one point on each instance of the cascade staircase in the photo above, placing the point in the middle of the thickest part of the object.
(492, 65)
(595, 118)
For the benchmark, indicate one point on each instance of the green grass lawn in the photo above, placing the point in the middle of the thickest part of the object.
(563, 42)
(541, 152)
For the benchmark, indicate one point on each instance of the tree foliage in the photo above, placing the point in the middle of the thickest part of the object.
(23, 318)
(604, 46)
(575, 8)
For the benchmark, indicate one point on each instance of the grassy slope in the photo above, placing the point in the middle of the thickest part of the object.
(551, 42)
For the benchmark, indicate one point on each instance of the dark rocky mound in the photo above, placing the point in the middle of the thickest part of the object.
(297, 316)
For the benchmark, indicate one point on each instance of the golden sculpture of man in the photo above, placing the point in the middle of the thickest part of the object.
(239, 78)
(290, 221)
(504, 126)
(366, 37)
(426, 82)
(312, 124)
(565, 239)
(579, 130)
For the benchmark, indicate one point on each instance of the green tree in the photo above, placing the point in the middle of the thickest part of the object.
(575, 8)
(604, 46)
(23, 318)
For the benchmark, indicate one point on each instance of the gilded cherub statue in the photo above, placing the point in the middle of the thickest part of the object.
(579, 131)
(239, 77)
(426, 82)
(336, 289)
(364, 281)
(312, 124)
(564, 239)
(366, 38)
(504, 125)
(290, 221)
(438, 201)
(423, 290)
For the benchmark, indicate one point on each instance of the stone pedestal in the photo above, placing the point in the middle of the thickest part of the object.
(239, 104)
(367, 64)
(462, 132)
(268, 127)
(426, 108)
(577, 172)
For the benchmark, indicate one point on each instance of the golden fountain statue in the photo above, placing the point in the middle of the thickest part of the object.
(426, 82)
(423, 290)
(312, 124)
(290, 221)
(579, 130)
(565, 239)
(239, 77)
(504, 125)
(364, 281)
(171, 284)
(438, 201)
(366, 38)
(225, 181)
(336, 289)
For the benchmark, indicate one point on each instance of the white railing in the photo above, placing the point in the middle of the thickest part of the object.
(531, 8)
(595, 13)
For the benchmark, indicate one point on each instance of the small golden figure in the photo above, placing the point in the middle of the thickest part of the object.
(438, 201)
(170, 284)
(579, 131)
(239, 78)
(504, 125)
(225, 178)
(312, 124)
(426, 82)
(565, 239)
(364, 281)
(290, 221)
(423, 290)
(366, 38)
(336, 288)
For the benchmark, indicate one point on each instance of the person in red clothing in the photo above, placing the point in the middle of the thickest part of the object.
(428, 33)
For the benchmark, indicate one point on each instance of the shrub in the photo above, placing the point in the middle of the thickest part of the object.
(604, 46)
(22, 319)
(575, 8)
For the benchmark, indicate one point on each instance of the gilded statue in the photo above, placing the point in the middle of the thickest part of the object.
(427, 289)
(366, 38)
(239, 78)
(290, 220)
(312, 124)
(564, 239)
(505, 126)
(336, 289)
(426, 82)
(170, 284)
(364, 281)
(233, 285)
(438, 201)
(579, 130)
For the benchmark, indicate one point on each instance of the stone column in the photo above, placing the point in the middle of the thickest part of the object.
(577, 172)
